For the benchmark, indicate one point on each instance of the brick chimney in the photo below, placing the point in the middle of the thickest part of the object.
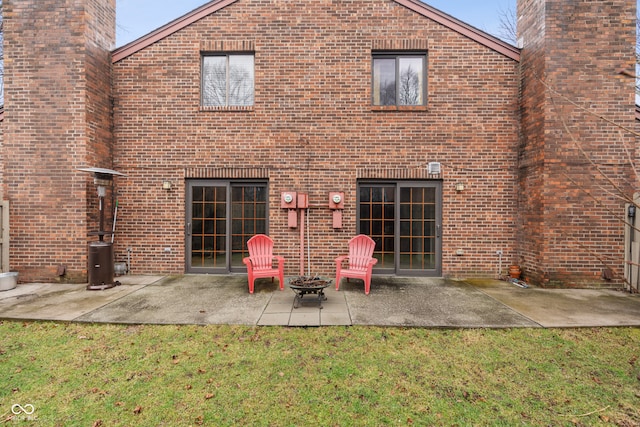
(57, 118)
(570, 228)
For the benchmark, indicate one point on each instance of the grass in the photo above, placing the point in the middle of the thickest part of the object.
(118, 375)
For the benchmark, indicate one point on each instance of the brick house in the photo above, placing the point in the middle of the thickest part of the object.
(445, 143)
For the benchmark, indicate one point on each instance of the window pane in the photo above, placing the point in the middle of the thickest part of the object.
(197, 210)
(384, 81)
(405, 210)
(430, 229)
(237, 194)
(389, 244)
(227, 80)
(399, 80)
(196, 243)
(209, 208)
(405, 228)
(430, 195)
(261, 194)
(365, 211)
(389, 194)
(386, 260)
(249, 217)
(241, 80)
(208, 244)
(365, 195)
(411, 85)
(209, 227)
(417, 195)
(214, 81)
(376, 194)
(198, 194)
(405, 245)
(221, 210)
(389, 211)
(405, 195)
(416, 228)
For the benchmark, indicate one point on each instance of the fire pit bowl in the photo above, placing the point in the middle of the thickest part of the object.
(304, 285)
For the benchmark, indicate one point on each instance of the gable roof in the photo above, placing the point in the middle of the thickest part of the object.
(463, 28)
(415, 5)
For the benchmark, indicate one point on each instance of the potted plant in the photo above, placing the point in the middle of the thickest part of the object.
(514, 271)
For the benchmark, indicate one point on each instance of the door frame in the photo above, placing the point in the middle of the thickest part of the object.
(398, 184)
(229, 184)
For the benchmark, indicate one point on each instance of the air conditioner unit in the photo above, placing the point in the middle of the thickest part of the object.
(433, 168)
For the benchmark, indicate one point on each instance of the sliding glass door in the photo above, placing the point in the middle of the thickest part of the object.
(404, 219)
(220, 217)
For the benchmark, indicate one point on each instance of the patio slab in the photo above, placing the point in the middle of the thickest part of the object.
(402, 301)
(191, 299)
(393, 301)
(60, 301)
(569, 307)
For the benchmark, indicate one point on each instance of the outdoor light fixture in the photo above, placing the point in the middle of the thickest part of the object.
(166, 185)
(459, 187)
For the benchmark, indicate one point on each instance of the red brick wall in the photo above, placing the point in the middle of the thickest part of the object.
(56, 119)
(530, 191)
(312, 129)
(531, 150)
(570, 217)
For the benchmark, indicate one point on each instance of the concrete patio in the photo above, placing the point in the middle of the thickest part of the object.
(393, 301)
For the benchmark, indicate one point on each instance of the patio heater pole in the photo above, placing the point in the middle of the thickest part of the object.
(102, 192)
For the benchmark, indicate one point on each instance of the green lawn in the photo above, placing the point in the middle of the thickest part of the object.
(118, 375)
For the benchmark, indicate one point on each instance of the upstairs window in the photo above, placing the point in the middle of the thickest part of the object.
(227, 80)
(399, 79)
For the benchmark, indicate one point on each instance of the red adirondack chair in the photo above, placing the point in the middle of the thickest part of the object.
(361, 261)
(260, 261)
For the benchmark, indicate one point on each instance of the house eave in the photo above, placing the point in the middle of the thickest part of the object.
(462, 28)
(168, 29)
(415, 5)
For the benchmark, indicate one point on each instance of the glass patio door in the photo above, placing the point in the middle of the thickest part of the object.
(220, 217)
(404, 219)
